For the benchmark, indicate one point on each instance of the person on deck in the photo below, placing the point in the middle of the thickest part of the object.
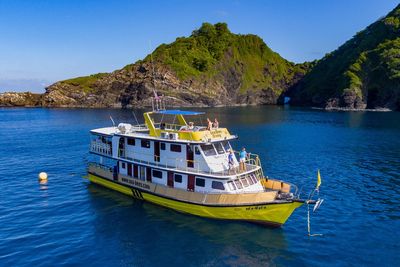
(209, 124)
(216, 123)
(190, 126)
(242, 159)
(230, 161)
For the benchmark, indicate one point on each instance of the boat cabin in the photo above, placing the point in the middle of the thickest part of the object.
(167, 150)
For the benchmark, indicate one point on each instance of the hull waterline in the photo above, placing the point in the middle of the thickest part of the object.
(268, 214)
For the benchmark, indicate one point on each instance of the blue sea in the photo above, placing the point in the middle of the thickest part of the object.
(70, 222)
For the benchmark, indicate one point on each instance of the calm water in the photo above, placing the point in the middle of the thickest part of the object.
(72, 222)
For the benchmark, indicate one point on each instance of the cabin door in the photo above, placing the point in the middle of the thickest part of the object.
(135, 171)
(170, 181)
(129, 169)
(189, 156)
(115, 172)
(156, 151)
(121, 147)
(148, 174)
(190, 184)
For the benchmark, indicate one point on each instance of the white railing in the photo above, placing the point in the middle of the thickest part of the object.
(101, 148)
(92, 166)
(182, 164)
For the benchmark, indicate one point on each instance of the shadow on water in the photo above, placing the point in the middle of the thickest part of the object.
(153, 227)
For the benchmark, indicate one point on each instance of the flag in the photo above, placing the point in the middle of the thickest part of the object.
(318, 180)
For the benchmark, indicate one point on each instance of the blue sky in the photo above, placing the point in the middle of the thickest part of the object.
(45, 41)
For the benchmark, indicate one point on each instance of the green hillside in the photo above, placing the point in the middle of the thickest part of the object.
(363, 72)
(213, 49)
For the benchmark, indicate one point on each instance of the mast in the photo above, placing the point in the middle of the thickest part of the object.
(157, 102)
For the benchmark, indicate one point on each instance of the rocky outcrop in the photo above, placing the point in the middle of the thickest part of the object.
(212, 67)
(26, 99)
(134, 85)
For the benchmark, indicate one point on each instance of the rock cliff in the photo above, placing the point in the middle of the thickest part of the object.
(27, 99)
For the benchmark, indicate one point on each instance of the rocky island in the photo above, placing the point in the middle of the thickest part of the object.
(215, 67)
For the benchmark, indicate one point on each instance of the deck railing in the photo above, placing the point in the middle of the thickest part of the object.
(252, 161)
(182, 164)
(179, 193)
(101, 148)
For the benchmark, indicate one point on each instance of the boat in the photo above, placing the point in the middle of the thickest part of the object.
(189, 168)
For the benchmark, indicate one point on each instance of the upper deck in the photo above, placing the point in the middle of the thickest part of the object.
(179, 132)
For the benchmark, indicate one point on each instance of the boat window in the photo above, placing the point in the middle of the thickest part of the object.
(200, 182)
(157, 174)
(217, 185)
(226, 145)
(197, 150)
(178, 178)
(131, 141)
(208, 150)
(123, 165)
(176, 148)
(162, 146)
(219, 148)
(231, 186)
(254, 178)
(251, 182)
(145, 143)
(244, 182)
(238, 184)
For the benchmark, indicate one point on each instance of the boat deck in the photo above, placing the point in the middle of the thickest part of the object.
(269, 194)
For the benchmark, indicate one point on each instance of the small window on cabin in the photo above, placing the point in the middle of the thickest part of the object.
(176, 148)
(196, 150)
(200, 182)
(226, 145)
(250, 180)
(157, 174)
(238, 184)
(217, 185)
(254, 178)
(208, 150)
(178, 178)
(145, 143)
(219, 148)
(131, 141)
(162, 146)
(123, 165)
(231, 186)
(244, 182)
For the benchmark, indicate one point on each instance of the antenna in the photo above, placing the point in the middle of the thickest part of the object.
(112, 121)
(157, 102)
(133, 112)
(152, 64)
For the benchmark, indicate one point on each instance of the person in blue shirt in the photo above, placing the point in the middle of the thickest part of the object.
(230, 160)
(242, 159)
